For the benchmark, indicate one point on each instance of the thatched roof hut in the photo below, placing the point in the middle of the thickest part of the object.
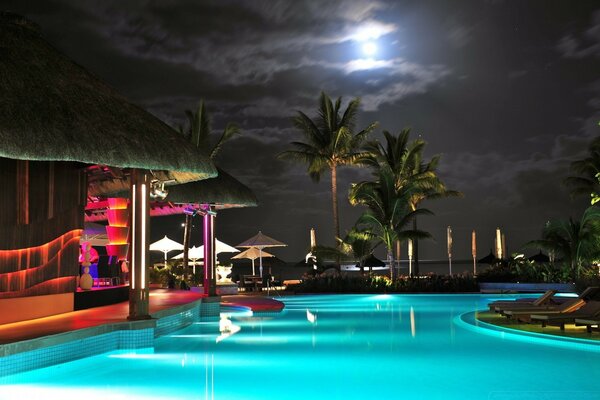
(223, 191)
(52, 109)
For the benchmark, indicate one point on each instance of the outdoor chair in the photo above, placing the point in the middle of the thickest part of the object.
(524, 315)
(543, 299)
(252, 282)
(586, 295)
(115, 271)
(103, 271)
(589, 323)
(589, 310)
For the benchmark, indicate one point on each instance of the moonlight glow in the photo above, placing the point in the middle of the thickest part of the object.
(369, 48)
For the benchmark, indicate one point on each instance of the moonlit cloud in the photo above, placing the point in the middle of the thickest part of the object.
(509, 109)
(371, 30)
(584, 45)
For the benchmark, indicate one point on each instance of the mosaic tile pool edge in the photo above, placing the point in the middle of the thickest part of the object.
(76, 349)
(56, 349)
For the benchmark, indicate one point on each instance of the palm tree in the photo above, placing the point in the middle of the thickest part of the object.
(198, 131)
(576, 242)
(330, 143)
(405, 160)
(587, 181)
(357, 245)
(388, 211)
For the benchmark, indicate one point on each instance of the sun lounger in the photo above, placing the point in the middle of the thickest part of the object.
(524, 314)
(535, 301)
(589, 323)
(586, 295)
(589, 310)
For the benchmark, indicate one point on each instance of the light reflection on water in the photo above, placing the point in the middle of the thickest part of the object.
(329, 347)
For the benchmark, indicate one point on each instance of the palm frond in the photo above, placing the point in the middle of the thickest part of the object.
(231, 129)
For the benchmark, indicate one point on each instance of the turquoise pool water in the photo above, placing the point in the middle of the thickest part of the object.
(331, 347)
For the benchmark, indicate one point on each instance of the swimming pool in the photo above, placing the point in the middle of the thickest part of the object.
(330, 347)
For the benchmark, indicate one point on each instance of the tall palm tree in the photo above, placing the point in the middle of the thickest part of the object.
(199, 132)
(388, 211)
(330, 143)
(357, 245)
(587, 181)
(576, 242)
(405, 160)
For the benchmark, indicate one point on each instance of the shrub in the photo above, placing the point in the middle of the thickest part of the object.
(382, 284)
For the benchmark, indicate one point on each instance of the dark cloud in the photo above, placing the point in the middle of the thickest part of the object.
(585, 44)
(507, 92)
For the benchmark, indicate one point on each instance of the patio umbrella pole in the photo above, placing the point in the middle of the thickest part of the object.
(260, 260)
(253, 273)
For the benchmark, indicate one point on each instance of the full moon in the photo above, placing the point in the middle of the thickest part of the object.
(369, 48)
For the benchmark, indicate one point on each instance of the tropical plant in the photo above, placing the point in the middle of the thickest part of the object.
(517, 268)
(388, 211)
(404, 159)
(596, 194)
(382, 284)
(587, 181)
(330, 143)
(198, 131)
(357, 245)
(577, 243)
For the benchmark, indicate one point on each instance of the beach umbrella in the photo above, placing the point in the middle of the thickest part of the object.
(539, 258)
(261, 241)
(372, 261)
(252, 254)
(221, 247)
(194, 253)
(165, 245)
(198, 252)
(489, 259)
(474, 251)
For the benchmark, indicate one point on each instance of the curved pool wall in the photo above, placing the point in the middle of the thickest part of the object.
(130, 335)
(469, 321)
(331, 347)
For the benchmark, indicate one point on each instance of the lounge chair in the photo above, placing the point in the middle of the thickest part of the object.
(589, 323)
(517, 309)
(524, 314)
(529, 301)
(590, 309)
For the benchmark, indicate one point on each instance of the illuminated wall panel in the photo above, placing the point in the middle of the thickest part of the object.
(41, 221)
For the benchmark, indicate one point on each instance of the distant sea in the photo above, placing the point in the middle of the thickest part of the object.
(282, 270)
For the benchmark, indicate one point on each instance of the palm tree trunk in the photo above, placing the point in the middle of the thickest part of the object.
(336, 218)
(415, 251)
(187, 233)
(390, 257)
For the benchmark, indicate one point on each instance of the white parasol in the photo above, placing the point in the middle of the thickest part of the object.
(261, 241)
(252, 253)
(166, 245)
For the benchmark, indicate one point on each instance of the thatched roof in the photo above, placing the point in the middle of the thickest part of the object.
(53, 109)
(223, 191)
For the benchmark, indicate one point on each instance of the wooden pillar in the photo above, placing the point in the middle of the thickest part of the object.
(139, 249)
(208, 221)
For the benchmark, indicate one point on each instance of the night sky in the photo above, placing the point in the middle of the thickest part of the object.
(507, 91)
